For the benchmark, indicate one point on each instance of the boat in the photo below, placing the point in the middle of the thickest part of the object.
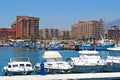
(54, 63)
(54, 46)
(112, 64)
(18, 66)
(116, 48)
(88, 61)
(102, 44)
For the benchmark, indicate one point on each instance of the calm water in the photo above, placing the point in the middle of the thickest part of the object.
(36, 56)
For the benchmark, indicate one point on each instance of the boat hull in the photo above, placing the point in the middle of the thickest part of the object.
(5, 73)
(87, 69)
(112, 67)
(100, 47)
(53, 71)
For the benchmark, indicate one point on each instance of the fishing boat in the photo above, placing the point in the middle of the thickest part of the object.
(18, 66)
(54, 63)
(54, 46)
(102, 44)
(89, 61)
(116, 48)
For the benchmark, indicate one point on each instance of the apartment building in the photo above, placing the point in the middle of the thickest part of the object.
(49, 33)
(64, 34)
(7, 33)
(74, 31)
(87, 29)
(26, 26)
(113, 32)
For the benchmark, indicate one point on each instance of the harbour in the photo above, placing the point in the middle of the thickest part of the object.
(59, 40)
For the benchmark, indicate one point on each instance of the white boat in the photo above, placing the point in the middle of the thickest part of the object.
(18, 66)
(89, 61)
(112, 64)
(54, 63)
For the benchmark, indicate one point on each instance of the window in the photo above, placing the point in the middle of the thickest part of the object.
(9, 66)
(28, 65)
(15, 65)
(21, 64)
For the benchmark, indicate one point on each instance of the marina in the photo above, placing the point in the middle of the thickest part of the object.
(60, 40)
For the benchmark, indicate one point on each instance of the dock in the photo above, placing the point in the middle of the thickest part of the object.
(76, 76)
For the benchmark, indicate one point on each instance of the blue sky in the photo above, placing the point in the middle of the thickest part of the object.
(60, 14)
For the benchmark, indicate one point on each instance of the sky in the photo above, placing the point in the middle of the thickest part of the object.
(59, 14)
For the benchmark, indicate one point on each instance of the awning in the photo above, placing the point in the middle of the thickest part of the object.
(52, 54)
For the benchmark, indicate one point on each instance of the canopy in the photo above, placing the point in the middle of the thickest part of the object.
(88, 52)
(52, 54)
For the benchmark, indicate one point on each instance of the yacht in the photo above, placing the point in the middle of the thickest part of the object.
(54, 63)
(18, 66)
(88, 61)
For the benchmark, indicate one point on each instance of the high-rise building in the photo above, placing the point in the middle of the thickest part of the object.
(88, 29)
(74, 31)
(26, 26)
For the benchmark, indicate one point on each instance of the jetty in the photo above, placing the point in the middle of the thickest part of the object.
(76, 76)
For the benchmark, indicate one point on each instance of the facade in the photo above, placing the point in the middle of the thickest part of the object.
(114, 32)
(7, 33)
(26, 26)
(64, 34)
(49, 33)
(88, 29)
(74, 31)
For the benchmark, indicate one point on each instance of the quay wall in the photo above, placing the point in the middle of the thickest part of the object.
(83, 76)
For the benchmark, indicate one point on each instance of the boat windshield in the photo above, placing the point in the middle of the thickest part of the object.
(53, 59)
(19, 59)
(59, 59)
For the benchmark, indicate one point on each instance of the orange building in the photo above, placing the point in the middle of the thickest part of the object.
(7, 33)
(26, 26)
(87, 29)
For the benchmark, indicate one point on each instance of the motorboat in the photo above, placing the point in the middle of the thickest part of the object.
(112, 60)
(112, 64)
(88, 61)
(18, 66)
(54, 63)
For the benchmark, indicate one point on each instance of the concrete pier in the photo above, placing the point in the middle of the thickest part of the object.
(77, 76)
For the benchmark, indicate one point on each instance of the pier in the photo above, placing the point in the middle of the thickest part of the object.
(77, 76)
